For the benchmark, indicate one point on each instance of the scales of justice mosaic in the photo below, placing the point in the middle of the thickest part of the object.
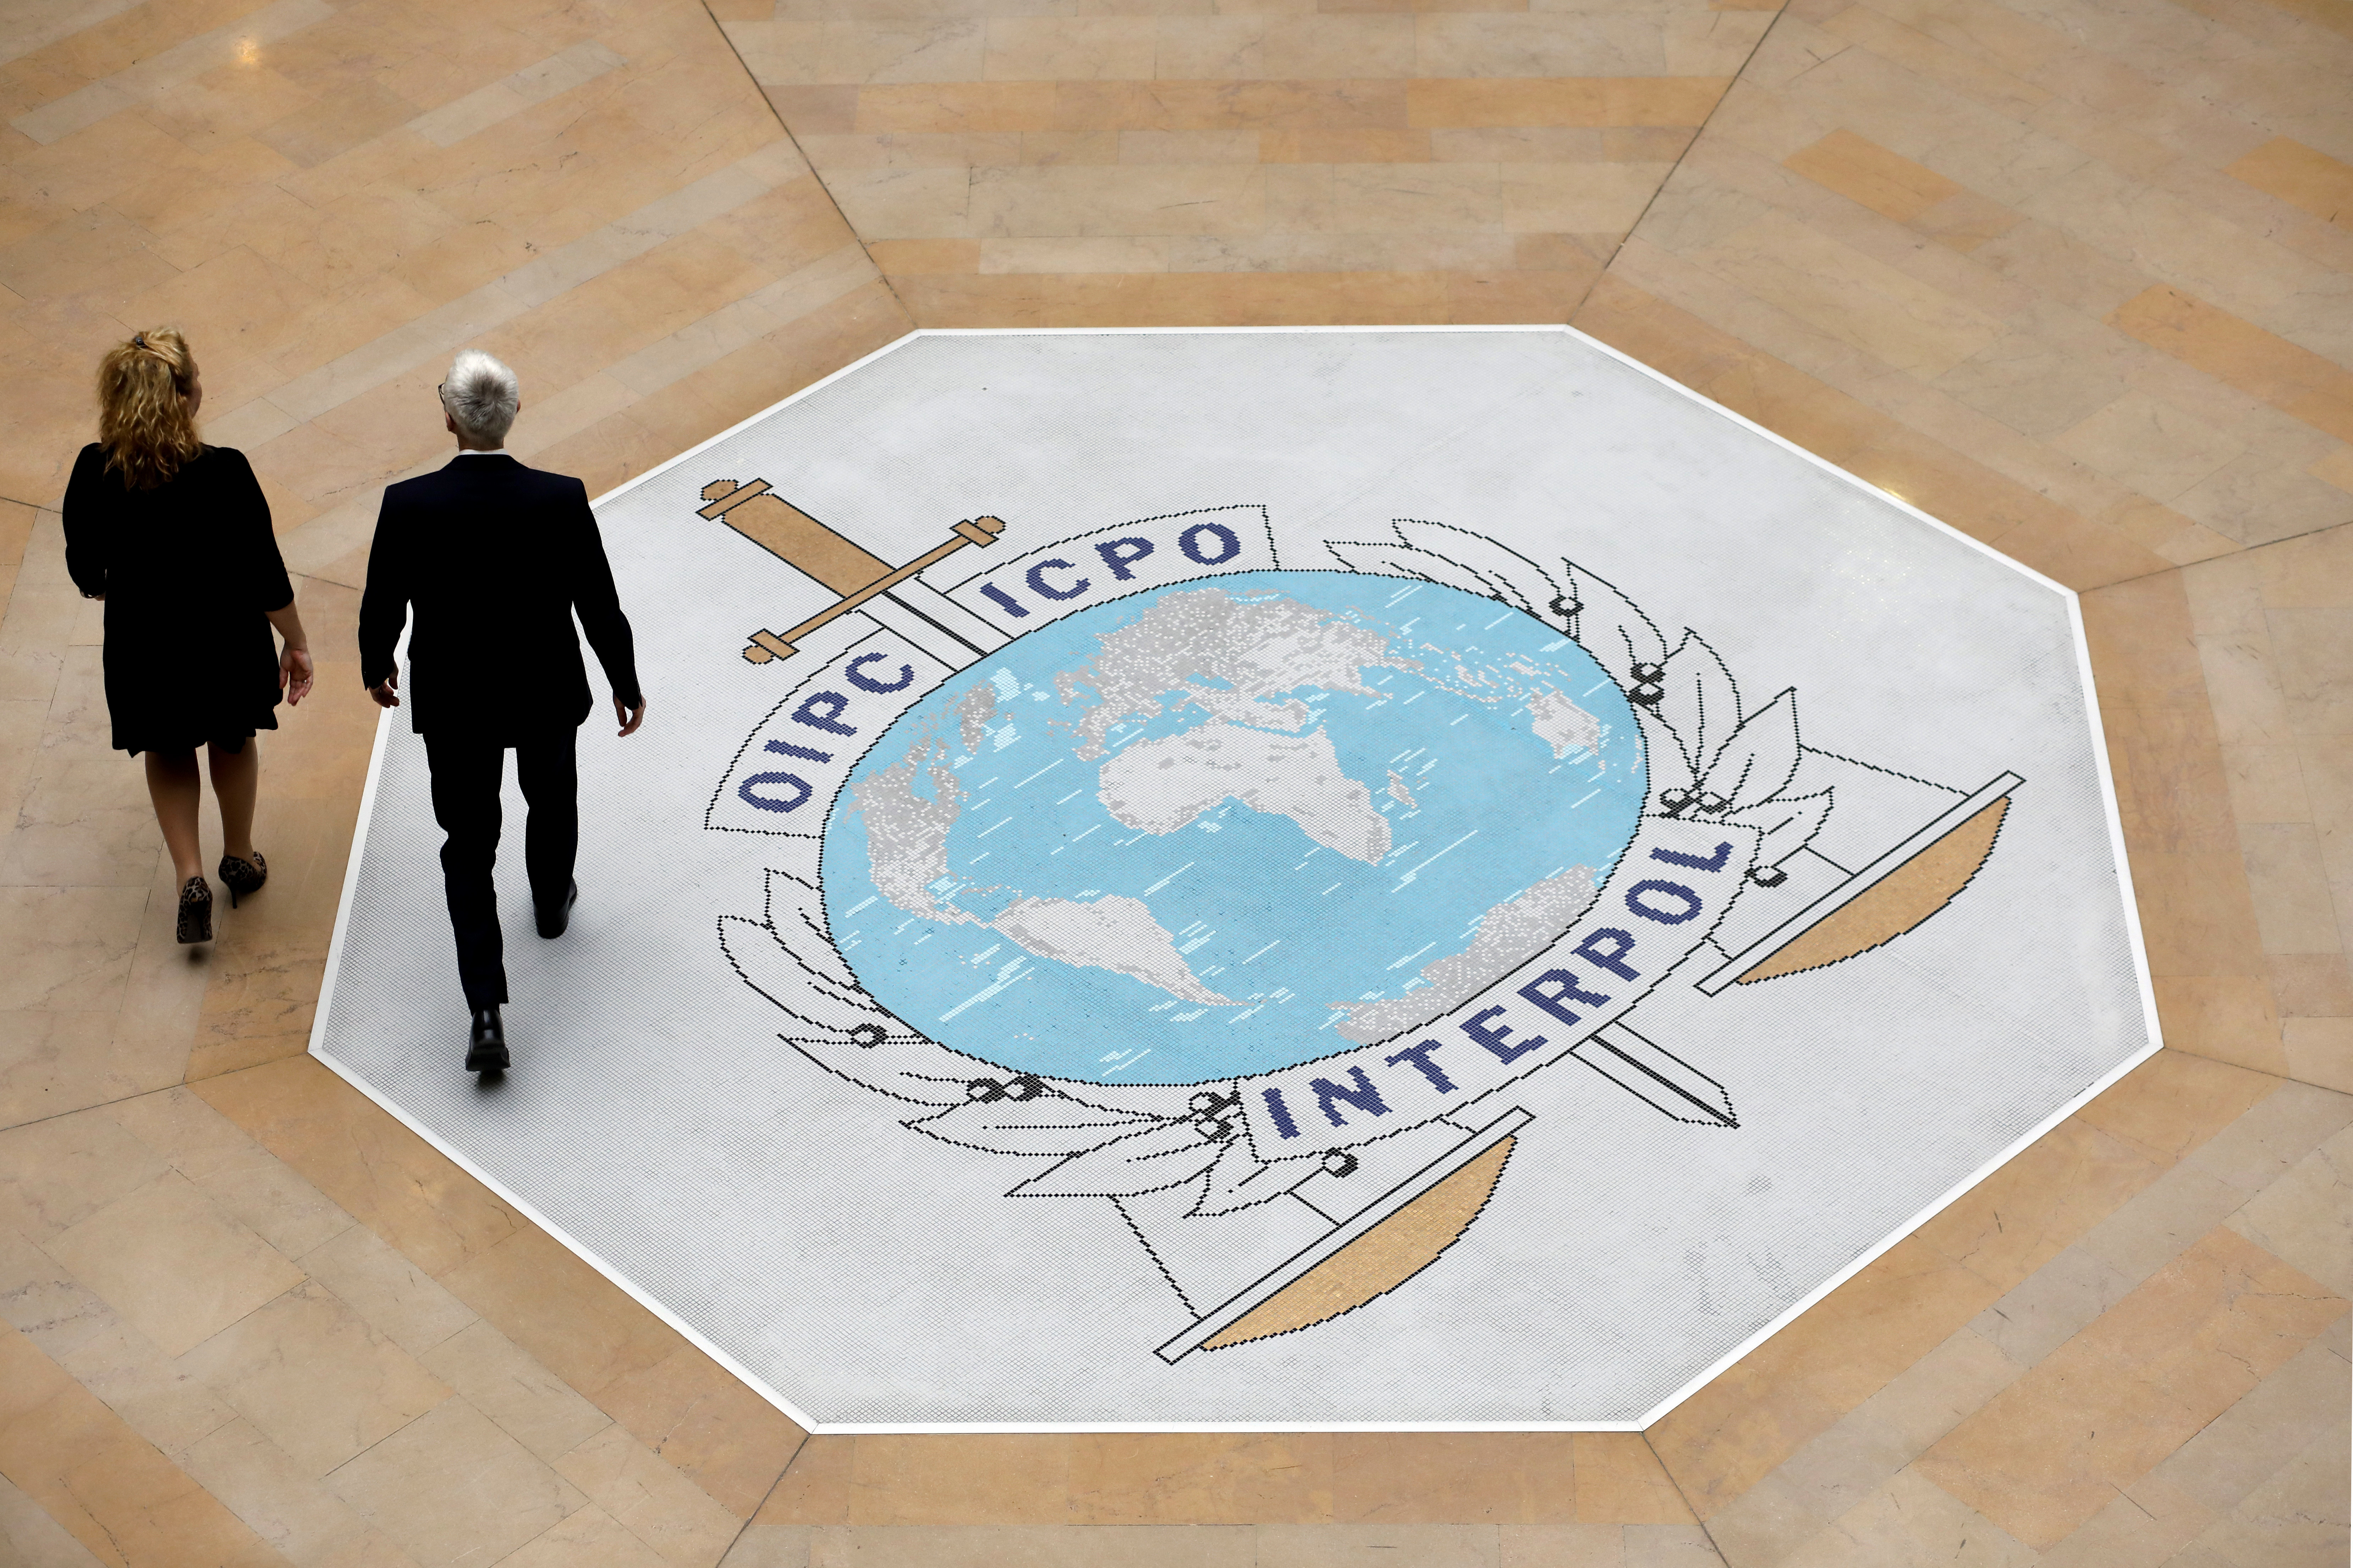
(1246, 890)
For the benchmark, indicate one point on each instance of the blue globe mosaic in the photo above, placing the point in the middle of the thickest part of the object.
(1230, 826)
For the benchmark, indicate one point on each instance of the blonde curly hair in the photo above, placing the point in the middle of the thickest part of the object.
(144, 421)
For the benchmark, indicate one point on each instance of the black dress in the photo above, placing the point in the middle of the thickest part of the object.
(189, 570)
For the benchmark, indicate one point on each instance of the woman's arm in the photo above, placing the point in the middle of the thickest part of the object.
(86, 530)
(294, 659)
(270, 580)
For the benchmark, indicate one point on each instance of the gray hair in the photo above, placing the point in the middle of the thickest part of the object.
(481, 394)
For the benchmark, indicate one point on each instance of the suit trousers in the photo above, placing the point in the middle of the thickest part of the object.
(467, 773)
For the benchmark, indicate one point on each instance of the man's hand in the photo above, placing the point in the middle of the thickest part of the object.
(630, 718)
(294, 674)
(388, 694)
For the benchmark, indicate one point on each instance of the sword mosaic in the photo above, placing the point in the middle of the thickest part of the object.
(1377, 879)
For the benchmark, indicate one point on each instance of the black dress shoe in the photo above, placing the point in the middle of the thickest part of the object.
(554, 924)
(488, 1050)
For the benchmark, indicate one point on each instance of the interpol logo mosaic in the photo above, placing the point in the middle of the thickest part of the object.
(1241, 893)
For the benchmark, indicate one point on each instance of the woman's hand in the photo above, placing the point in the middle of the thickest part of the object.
(294, 674)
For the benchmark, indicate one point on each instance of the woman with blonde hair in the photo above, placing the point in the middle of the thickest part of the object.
(175, 536)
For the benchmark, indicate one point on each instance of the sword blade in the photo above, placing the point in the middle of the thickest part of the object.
(1660, 1079)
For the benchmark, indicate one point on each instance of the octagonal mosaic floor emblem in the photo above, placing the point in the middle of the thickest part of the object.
(1261, 879)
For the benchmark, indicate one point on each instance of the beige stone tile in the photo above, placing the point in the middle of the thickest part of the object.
(1121, 254)
(1851, 297)
(2238, 351)
(2260, 497)
(2266, 784)
(2150, 1523)
(52, 1063)
(451, 1488)
(315, 1378)
(172, 1265)
(1865, 172)
(2053, 1303)
(1200, 48)
(1041, 1478)
(1068, 48)
(1561, 1546)
(2312, 984)
(1360, 48)
(2245, 1445)
(1085, 199)
(1619, 1480)
(530, 1404)
(2336, 468)
(138, 1382)
(30, 1537)
(770, 1546)
(84, 820)
(1928, 1398)
(2308, 651)
(882, 50)
(999, 1546)
(2300, 176)
(2292, 899)
(905, 204)
(389, 1291)
(2298, 1516)
(1438, 102)
(658, 1505)
(2150, 445)
(2034, 381)
(247, 1181)
(1575, 198)
(380, 1173)
(1670, 1546)
(1908, 1520)
(281, 1501)
(582, 1327)
(2100, 1412)
(56, 1173)
(713, 1429)
(2320, 1051)
(1421, 1545)
(588, 1539)
(1840, 1469)
(816, 1488)
(2305, 1218)
(1727, 1438)
(1467, 1477)
(72, 945)
(109, 1487)
(2259, 1148)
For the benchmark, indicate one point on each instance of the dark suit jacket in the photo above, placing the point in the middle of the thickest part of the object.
(495, 558)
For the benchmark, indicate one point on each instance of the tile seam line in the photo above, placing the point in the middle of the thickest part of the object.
(1659, 1459)
(1660, 189)
(832, 200)
(745, 1528)
(2226, 555)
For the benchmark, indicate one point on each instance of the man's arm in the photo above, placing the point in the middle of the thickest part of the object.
(598, 603)
(383, 607)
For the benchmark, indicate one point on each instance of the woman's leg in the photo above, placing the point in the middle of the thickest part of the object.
(171, 784)
(237, 780)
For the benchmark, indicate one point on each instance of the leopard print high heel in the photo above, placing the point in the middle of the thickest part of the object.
(243, 876)
(195, 911)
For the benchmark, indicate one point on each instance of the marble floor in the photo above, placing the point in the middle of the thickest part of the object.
(2076, 276)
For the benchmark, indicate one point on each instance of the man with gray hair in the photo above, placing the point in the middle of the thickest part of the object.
(495, 559)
